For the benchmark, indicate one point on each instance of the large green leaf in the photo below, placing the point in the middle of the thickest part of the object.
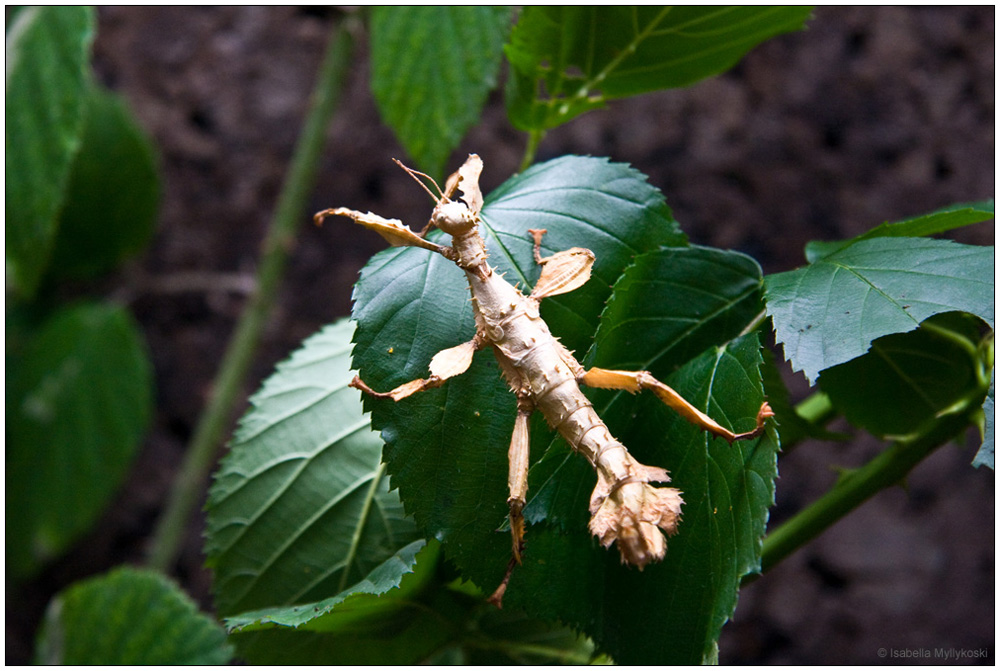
(79, 397)
(446, 448)
(673, 303)
(829, 312)
(566, 60)
(907, 378)
(432, 68)
(48, 51)
(112, 195)
(129, 617)
(667, 308)
(671, 612)
(300, 509)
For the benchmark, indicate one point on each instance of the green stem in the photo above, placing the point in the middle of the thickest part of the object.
(517, 648)
(216, 418)
(534, 138)
(858, 485)
(816, 409)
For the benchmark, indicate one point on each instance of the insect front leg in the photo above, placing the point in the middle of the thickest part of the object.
(634, 381)
(392, 230)
(446, 364)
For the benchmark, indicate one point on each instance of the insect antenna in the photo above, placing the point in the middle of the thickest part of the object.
(414, 174)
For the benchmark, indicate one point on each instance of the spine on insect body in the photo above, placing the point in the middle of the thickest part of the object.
(625, 507)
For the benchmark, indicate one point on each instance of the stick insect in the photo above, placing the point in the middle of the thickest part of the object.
(544, 376)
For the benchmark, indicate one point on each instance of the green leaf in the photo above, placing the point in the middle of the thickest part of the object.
(606, 207)
(673, 303)
(829, 312)
(985, 454)
(79, 399)
(672, 612)
(432, 68)
(129, 617)
(941, 221)
(358, 599)
(422, 621)
(907, 378)
(113, 193)
(300, 509)
(446, 448)
(566, 60)
(668, 308)
(411, 634)
(394, 616)
(48, 50)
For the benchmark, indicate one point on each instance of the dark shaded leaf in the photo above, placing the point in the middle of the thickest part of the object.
(907, 378)
(423, 620)
(112, 195)
(792, 426)
(48, 51)
(129, 617)
(79, 398)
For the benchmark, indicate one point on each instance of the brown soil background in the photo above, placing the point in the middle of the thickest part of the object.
(872, 114)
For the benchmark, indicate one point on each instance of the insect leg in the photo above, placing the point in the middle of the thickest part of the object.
(563, 271)
(392, 230)
(446, 364)
(517, 480)
(518, 458)
(633, 382)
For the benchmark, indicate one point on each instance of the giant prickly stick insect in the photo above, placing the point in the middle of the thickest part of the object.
(545, 376)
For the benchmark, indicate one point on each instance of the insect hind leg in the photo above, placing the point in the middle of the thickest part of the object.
(635, 381)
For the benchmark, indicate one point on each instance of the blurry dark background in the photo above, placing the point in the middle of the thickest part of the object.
(871, 114)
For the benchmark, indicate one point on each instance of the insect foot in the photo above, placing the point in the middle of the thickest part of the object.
(632, 512)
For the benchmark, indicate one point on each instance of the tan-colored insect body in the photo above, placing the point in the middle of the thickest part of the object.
(625, 507)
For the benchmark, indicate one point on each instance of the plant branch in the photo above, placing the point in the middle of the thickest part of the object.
(856, 486)
(279, 242)
(534, 138)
